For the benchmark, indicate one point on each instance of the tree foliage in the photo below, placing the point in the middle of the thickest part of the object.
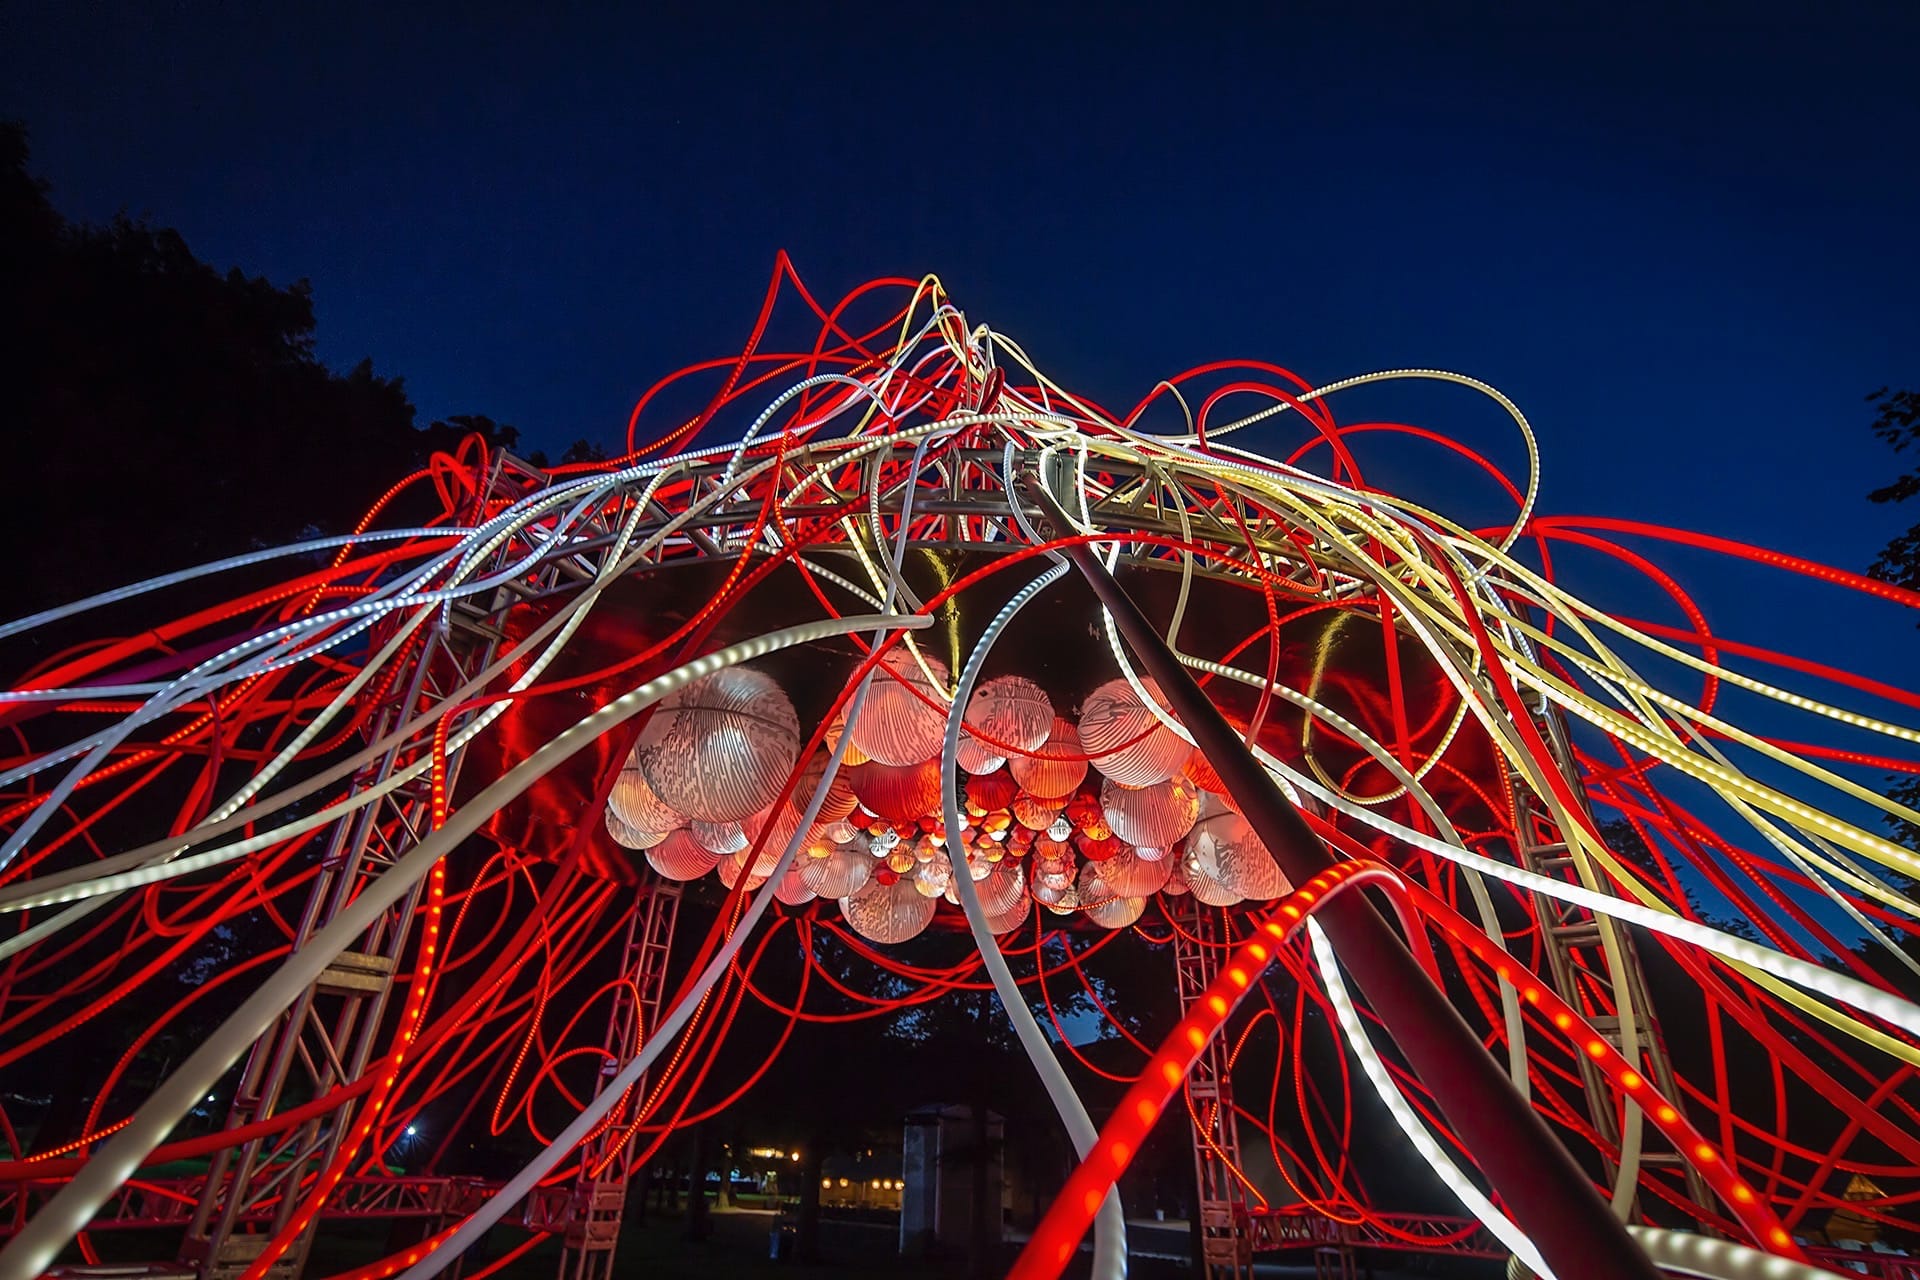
(161, 412)
(1898, 423)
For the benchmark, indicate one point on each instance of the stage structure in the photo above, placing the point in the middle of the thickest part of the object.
(385, 856)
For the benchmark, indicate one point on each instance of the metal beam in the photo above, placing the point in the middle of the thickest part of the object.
(1549, 1196)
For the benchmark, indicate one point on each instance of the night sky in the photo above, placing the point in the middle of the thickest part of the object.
(1686, 248)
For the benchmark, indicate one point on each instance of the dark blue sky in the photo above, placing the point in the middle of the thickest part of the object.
(1686, 247)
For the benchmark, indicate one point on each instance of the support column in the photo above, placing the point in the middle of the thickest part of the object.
(597, 1206)
(1220, 1206)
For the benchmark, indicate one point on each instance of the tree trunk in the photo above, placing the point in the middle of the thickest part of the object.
(806, 1236)
(699, 1226)
(981, 1254)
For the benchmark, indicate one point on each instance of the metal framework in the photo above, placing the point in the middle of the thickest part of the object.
(328, 1037)
(1200, 937)
(598, 1202)
(1578, 963)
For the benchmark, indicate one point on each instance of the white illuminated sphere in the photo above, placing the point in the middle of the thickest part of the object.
(1101, 903)
(780, 824)
(1154, 816)
(888, 913)
(1176, 884)
(846, 870)
(1206, 886)
(721, 838)
(1225, 848)
(1133, 876)
(839, 801)
(837, 729)
(933, 876)
(1056, 767)
(1127, 742)
(976, 757)
(730, 869)
(793, 888)
(1006, 709)
(630, 837)
(904, 719)
(1002, 891)
(722, 747)
(681, 857)
(1015, 915)
(639, 808)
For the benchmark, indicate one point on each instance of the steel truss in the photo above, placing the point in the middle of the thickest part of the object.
(1585, 977)
(1201, 935)
(328, 1037)
(599, 1197)
(326, 1040)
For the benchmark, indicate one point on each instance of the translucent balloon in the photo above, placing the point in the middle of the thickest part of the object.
(1102, 903)
(1002, 891)
(1155, 816)
(1133, 876)
(836, 729)
(793, 888)
(1001, 922)
(1176, 878)
(639, 807)
(681, 857)
(1206, 886)
(974, 756)
(888, 913)
(1225, 848)
(840, 800)
(780, 823)
(722, 838)
(630, 837)
(1035, 813)
(1006, 709)
(722, 747)
(993, 791)
(1061, 902)
(904, 719)
(1057, 767)
(1126, 741)
(898, 793)
(846, 870)
(1115, 913)
(933, 876)
(730, 868)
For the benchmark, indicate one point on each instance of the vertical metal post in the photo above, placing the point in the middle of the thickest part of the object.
(327, 1037)
(1220, 1208)
(598, 1203)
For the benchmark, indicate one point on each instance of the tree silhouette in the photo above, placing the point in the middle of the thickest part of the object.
(1898, 423)
(165, 413)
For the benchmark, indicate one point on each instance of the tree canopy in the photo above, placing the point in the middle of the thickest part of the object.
(1898, 423)
(162, 412)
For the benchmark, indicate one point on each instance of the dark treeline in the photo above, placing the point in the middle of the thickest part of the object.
(160, 412)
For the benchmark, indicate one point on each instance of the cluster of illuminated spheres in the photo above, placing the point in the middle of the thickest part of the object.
(1090, 816)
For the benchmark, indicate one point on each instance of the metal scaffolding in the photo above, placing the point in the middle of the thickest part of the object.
(1200, 938)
